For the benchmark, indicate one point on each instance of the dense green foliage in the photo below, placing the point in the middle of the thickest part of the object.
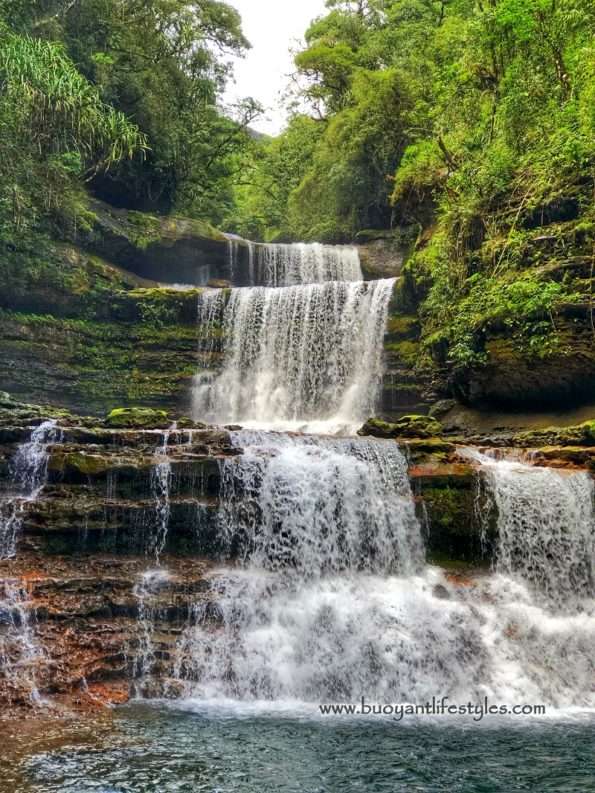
(472, 121)
(122, 96)
(54, 129)
(469, 124)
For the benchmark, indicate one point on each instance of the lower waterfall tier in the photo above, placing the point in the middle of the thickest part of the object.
(197, 632)
(212, 565)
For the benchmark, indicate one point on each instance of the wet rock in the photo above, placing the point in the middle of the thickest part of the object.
(413, 426)
(441, 408)
(577, 435)
(441, 592)
(172, 250)
(137, 417)
(429, 449)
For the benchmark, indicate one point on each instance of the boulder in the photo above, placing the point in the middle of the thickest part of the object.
(413, 426)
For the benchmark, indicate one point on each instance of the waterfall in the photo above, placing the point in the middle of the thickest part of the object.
(332, 601)
(317, 506)
(546, 527)
(233, 247)
(161, 476)
(20, 653)
(300, 357)
(311, 520)
(278, 265)
(146, 592)
(28, 475)
(289, 265)
(387, 638)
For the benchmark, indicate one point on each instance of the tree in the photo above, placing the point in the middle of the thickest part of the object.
(162, 63)
(55, 128)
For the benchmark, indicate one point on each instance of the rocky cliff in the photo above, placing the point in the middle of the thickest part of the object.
(71, 313)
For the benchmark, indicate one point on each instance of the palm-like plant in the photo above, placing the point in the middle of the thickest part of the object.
(59, 110)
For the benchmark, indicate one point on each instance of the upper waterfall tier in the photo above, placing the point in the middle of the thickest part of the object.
(301, 357)
(259, 264)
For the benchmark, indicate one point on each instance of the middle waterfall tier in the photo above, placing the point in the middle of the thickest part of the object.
(294, 358)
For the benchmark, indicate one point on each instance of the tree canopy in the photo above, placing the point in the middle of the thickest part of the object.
(123, 97)
(451, 101)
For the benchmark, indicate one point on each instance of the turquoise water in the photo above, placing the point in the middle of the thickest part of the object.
(157, 750)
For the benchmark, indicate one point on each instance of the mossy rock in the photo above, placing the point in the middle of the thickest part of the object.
(405, 326)
(414, 426)
(171, 250)
(406, 351)
(429, 449)
(577, 435)
(82, 463)
(137, 418)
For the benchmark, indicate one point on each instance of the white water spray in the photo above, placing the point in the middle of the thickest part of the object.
(546, 527)
(293, 264)
(161, 477)
(302, 357)
(334, 601)
(146, 593)
(311, 519)
(389, 639)
(315, 506)
(20, 652)
(28, 475)
(300, 263)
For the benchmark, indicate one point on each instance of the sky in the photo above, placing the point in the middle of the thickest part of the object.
(272, 27)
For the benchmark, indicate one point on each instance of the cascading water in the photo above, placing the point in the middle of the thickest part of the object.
(333, 600)
(301, 357)
(146, 593)
(546, 527)
(318, 506)
(288, 265)
(28, 475)
(20, 652)
(161, 476)
(313, 520)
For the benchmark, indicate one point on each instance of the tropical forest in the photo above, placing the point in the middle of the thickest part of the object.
(297, 411)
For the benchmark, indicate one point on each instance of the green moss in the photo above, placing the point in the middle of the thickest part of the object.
(450, 509)
(454, 530)
(435, 448)
(146, 229)
(577, 435)
(164, 294)
(404, 325)
(87, 464)
(413, 426)
(405, 351)
(137, 418)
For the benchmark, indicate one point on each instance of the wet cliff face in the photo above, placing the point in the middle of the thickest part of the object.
(71, 317)
(166, 249)
(74, 312)
(113, 500)
(92, 508)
